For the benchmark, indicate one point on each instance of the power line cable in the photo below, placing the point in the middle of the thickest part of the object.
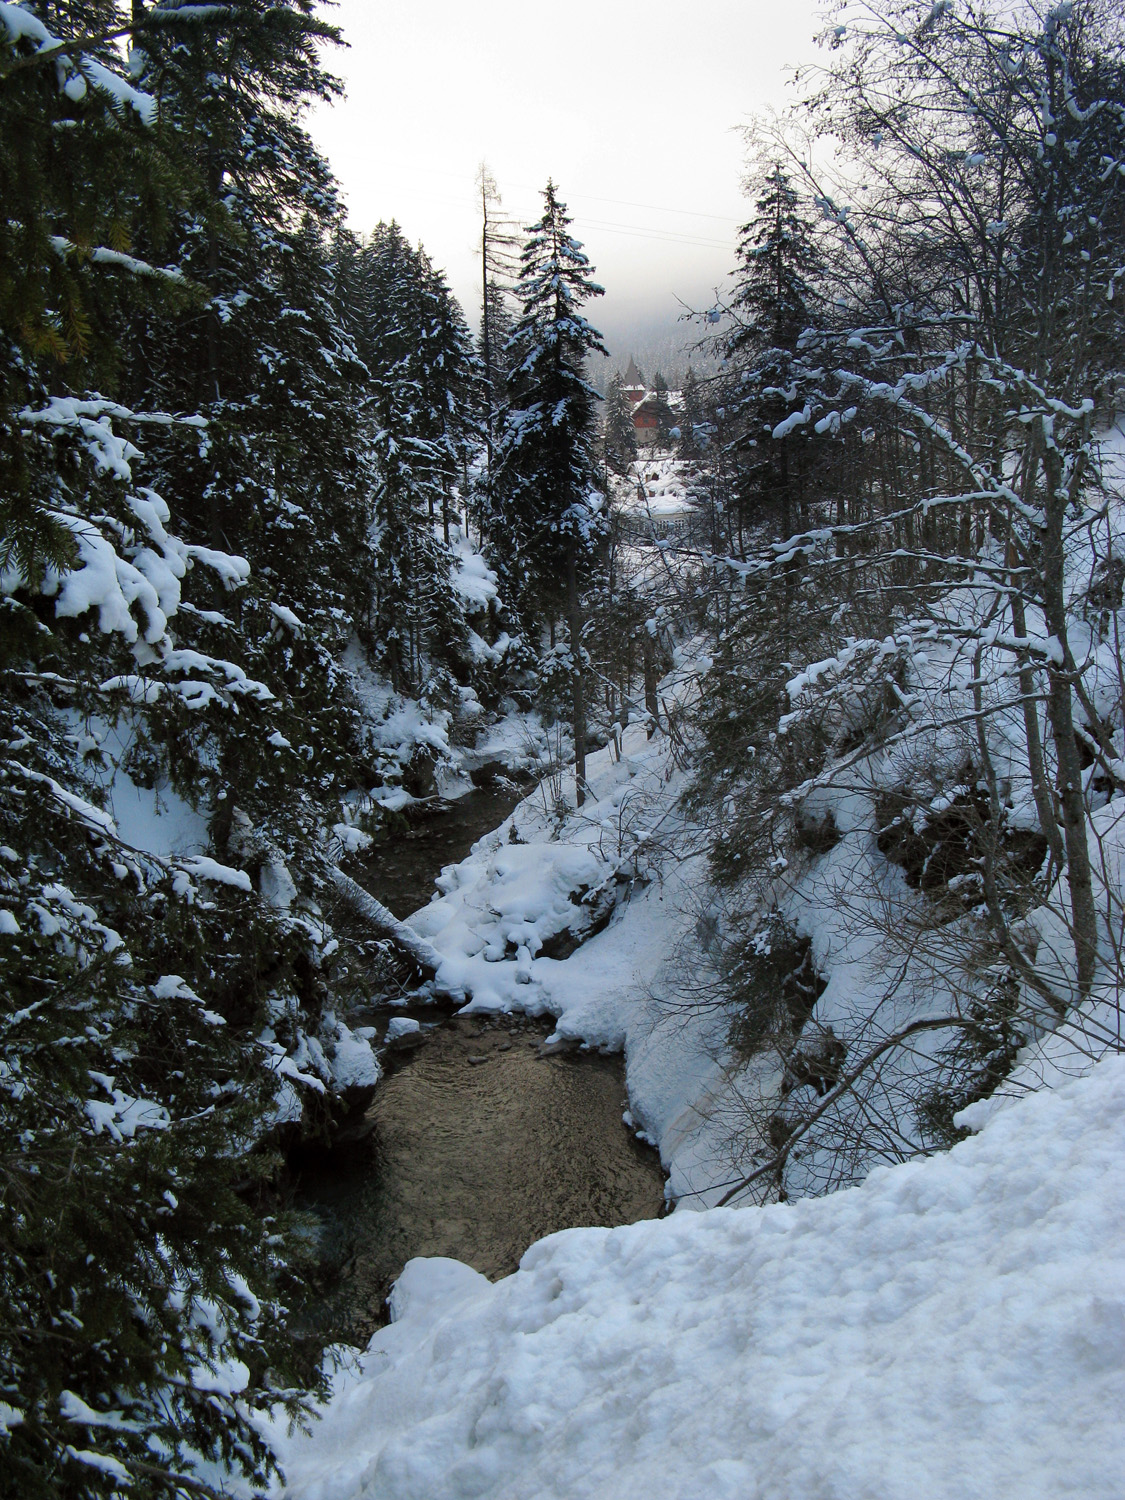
(650, 232)
(659, 208)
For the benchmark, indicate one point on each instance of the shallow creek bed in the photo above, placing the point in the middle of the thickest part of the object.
(480, 1145)
(480, 1140)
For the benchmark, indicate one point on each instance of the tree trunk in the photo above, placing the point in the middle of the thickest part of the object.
(652, 703)
(409, 943)
(578, 701)
(1072, 803)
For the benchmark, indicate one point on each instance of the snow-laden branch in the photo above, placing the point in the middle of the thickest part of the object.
(102, 256)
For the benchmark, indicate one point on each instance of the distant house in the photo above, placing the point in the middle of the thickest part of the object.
(634, 386)
(642, 402)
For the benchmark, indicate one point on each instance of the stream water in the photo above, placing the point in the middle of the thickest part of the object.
(403, 872)
(477, 1143)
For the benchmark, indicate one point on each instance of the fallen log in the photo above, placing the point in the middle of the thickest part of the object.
(411, 944)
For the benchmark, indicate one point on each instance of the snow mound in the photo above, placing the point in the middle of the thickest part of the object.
(954, 1328)
(522, 897)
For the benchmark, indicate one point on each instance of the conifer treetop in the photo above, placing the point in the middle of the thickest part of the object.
(553, 283)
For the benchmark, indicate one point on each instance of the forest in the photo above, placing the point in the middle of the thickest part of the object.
(291, 557)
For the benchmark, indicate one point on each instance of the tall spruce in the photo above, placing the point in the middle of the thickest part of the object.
(549, 505)
(774, 302)
(662, 410)
(691, 418)
(619, 434)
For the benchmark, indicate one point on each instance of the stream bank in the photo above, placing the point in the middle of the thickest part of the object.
(402, 872)
(480, 1139)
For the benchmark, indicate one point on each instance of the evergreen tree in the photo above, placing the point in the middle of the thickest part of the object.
(547, 480)
(691, 419)
(663, 410)
(773, 304)
(269, 364)
(450, 383)
(620, 436)
(418, 414)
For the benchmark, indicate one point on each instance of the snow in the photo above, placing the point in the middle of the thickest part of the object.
(401, 1026)
(21, 23)
(287, 618)
(92, 816)
(121, 93)
(124, 1115)
(953, 1328)
(353, 1063)
(354, 839)
(393, 800)
(525, 898)
(472, 578)
(656, 487)
(205, 868)
(794, 420)
(109, 584)
(277, 886)
(431, 1286)
(517, 741)
(157, 820)
(103, 1462)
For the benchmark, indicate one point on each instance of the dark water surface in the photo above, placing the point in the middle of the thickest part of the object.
(476, 1143)
(480, 1146)
(402, 873)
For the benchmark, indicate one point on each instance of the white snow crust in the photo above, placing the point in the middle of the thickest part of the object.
(953, 1329)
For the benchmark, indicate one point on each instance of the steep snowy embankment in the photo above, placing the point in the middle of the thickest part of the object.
(544, 880)
(954, 1329)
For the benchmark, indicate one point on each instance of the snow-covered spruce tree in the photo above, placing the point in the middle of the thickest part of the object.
(549, 511)
(157, 1011)
(270, 363)
(417, 356)
(619, 436)
(777, 289)
(662, 409)
(450, 382)
(691, 418)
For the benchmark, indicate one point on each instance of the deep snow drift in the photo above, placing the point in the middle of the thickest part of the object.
(953, 1328)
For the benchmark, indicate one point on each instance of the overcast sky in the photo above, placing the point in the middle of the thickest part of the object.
(635, 115)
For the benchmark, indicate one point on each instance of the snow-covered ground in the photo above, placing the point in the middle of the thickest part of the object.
(656, 486)
(953, 1329)
(543, 879)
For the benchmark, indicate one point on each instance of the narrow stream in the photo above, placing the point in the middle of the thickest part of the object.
(479, 1142)
(402, 873)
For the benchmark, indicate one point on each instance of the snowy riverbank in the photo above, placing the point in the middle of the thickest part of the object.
(953, 1328)
(500, 914)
